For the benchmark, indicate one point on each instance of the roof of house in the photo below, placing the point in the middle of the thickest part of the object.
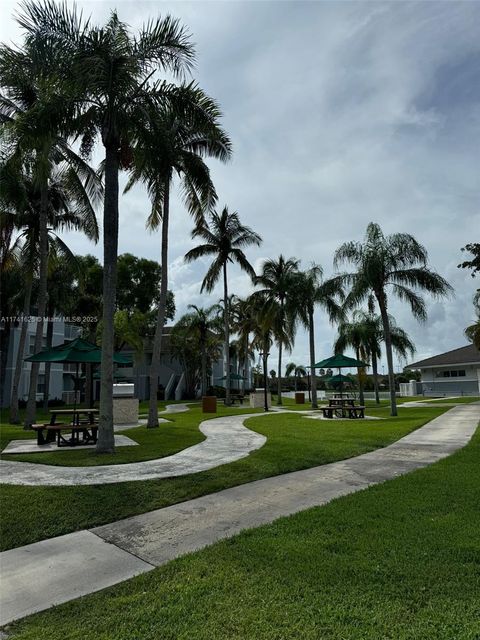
(463, 355)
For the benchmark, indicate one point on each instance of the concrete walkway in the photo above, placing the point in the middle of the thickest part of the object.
(226, 440)
(66, 567)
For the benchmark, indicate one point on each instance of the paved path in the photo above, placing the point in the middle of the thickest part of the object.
(226, 440)
(66, 567)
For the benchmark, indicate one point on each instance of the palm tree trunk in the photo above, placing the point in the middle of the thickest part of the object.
(204, 368)
(14, 412)
(152, 422)
(7, 333)
(227, 336)
(375, 377)
(48, 365)
(313, 376)
(42, 302)
(388, 349)
(89, 375)
(361, 396)
(106, 441)
(295, 379)
(279, 380)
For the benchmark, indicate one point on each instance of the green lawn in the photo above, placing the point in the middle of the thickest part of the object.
(398, 561)
(294, 442)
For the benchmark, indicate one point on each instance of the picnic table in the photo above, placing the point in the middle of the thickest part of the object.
(341, 402)
(343, 407)
(87, 428)
(75, 413)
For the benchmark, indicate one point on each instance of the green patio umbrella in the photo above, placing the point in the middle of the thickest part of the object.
(75, 351)
(339, 378)
(339, 361)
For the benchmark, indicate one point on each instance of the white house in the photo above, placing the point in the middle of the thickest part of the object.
(455, 372)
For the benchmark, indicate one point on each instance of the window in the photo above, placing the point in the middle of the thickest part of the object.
(455, 373)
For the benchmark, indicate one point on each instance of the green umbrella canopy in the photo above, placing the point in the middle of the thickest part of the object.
(233, 376)
(75, 351)
(338, 361)
(340, 378)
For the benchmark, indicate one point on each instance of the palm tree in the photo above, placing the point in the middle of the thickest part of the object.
(69, 207)
(35, 118)
(276, 281)
(204, 322)
(297, 370)
(194, 354)
(225, 238)
(389, 265)
(243, 324)
(309, 292)
(353, 334)
(109, 78)
(183, 144)
(365, 333)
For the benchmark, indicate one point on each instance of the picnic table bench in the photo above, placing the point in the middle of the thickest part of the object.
(48, 432)
(345, 411)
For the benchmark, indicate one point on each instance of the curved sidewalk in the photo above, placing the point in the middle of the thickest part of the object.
(226, 440)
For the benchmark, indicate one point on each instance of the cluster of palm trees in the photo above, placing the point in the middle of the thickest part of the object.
(286, 297)
(70, 85)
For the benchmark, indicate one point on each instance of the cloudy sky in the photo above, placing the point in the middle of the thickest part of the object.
(340, 113)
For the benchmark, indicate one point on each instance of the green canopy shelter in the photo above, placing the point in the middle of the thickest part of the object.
(339, 378)
(339, 361)
(77, 351)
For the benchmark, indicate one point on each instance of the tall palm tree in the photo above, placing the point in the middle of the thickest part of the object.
(275, 281)
(183, 142)
(113, 82)
(365, 332)
(389, 265)
(309, 292)
(225, 238)
(69, 207)
(36, 119)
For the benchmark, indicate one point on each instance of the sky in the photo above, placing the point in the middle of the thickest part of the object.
(340, 113)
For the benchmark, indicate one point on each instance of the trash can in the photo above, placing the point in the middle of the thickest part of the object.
(209, 404)
(299, 397)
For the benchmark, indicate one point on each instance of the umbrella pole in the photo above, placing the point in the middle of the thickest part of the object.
(75, 391)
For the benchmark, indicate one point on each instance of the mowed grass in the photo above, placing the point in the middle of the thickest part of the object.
(293, 442)
(398, 561)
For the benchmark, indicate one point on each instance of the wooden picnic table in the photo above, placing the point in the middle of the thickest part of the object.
(341, 402)
(353, 411)
(75, 413)
(47, 433)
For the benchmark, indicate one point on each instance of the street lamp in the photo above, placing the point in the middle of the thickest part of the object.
(264, 355)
